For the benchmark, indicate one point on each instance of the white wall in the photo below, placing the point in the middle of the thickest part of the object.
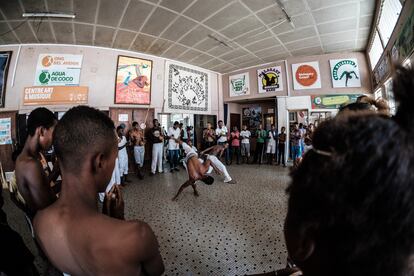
(98, 73)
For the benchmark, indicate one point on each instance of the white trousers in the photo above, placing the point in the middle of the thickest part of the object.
(123, 162)
(157, 151)
(271, 146)
(220, 166)
(139, 153)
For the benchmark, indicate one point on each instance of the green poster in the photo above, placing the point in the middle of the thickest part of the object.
(332, 101)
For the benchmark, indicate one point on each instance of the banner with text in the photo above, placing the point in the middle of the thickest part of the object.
(58, 70)
(332, 101)
(55, 95)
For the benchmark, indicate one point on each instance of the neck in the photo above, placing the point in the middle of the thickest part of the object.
(79, 190)
(31, 146)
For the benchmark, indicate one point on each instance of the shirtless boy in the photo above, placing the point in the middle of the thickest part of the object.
(83, 241)
(32, 179)
(138, 140)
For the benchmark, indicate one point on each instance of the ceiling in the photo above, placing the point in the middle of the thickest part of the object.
(220, 35)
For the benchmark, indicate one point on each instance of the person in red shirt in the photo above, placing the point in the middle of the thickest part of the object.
(235, 145)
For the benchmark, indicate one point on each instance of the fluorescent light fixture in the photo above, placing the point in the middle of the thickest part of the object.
(48, 14)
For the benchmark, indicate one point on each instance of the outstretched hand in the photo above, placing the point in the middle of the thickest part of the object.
(113, 204)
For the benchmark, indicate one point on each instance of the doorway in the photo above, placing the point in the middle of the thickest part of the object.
(200, 123)
(235, 121)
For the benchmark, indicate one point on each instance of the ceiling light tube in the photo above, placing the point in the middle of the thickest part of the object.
(49, 14)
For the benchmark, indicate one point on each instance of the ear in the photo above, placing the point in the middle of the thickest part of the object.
(98, 163)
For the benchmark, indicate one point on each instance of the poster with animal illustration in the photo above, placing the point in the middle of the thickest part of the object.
(270, 79)
(133, 81)
(345, 73)
(187, 89)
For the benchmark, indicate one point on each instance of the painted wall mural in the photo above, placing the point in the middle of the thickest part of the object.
(187, 89)
(133, 81)
(270, 79)
(239, 85)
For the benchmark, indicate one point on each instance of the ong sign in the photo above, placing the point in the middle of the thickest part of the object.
(239, 85)
(345, 73)
(270, 79)
(306, 75)
(58, 70)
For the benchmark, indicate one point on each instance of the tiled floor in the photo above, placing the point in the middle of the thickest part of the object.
(228, 230)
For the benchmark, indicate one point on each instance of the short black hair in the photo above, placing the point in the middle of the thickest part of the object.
(355, 190)
(40, 117)
(134, 124)
(119, 127)
(176, 123)
(207, 179)
(155, 120)
(357, 106)
(81, 130)
(220, 121)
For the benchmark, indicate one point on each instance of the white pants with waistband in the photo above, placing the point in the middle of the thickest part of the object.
(220, 166)
(157, 151)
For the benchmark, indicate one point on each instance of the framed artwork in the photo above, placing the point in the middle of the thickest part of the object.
(133, 81)
(345, 73)
(239, 85)
(270, 79)
(187, 89)
(5, 58)
(306, 75)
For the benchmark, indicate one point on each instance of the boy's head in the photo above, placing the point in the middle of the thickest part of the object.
(155, 123)
(41, 123)
(120, 130)
(207, 179)
(283, 129)
(135, 124)
(220, 124)
(85, 139)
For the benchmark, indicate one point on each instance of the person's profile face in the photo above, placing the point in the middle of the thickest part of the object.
(46, 137)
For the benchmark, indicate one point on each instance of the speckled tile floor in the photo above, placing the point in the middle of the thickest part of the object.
(227, 230)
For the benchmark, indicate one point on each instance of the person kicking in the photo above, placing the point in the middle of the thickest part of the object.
(198, 169)
(83, 241)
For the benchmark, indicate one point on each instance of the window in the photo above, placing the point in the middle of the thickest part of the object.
(389, 13)
(378, 94)
(390, 96)
(375, 51)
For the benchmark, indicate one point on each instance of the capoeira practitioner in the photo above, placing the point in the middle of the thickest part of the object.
(122, 155)
(198, 169)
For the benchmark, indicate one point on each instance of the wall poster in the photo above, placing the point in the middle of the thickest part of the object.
(5, 131)
(239, 85)
(187, 89)
(133, 81)
(4, 69)
(270, 79)
(306, 75)
(405, 41)
(58, 70)
(332, 101)
(252, 118)
(345, 73)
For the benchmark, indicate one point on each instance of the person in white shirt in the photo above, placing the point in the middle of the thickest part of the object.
(122, 154)
(222, 133)
(245, 144)
(174, 146)
(115, 180)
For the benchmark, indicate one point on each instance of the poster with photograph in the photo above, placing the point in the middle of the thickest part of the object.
(133, 81)
(4, 68)
(5, 131)
(306, 75)
(252, 118)
(345, 73)
(239, 85)
(58, 70)
(270, 79)
(187, 89)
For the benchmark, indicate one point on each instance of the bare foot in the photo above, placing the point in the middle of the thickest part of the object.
(174, 198)
(196, 194)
